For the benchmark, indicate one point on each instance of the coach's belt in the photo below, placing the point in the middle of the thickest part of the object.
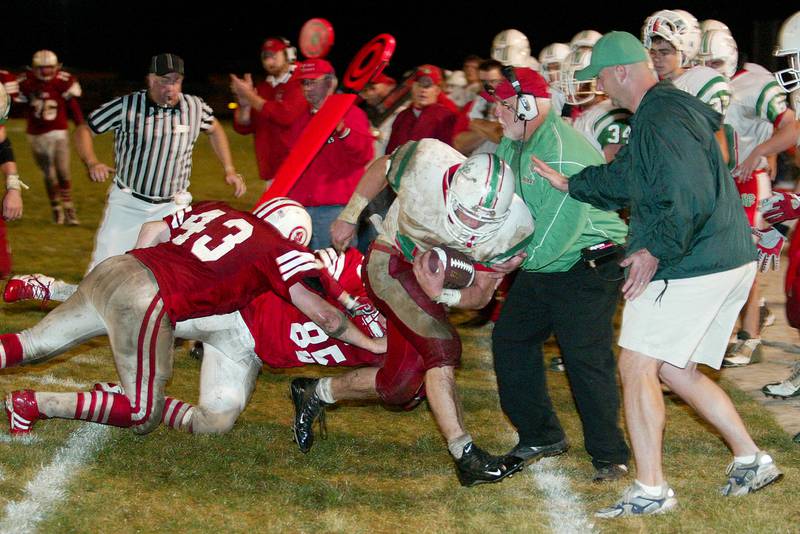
(134, 194)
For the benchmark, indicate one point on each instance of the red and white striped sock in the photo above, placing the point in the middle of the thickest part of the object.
(177, 414)
(104, 408)
(10, 350)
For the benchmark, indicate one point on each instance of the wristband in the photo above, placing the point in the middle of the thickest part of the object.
(353, 210)
(14, 183)
(449, 297)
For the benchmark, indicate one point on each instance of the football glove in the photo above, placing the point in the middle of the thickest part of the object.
(780, 207)
(770, 244)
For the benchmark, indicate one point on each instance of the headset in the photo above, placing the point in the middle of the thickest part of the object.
(291, 52)
(527, 109)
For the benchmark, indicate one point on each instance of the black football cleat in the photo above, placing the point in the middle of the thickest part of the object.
(307, 408)
(477, 466)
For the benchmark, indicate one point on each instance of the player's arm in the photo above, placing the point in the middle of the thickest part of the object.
(332, 321)
(12, 200)
(98, 171)
(152, 233)
(787, 132)
(474, 297)
(373, 182)
(219, 142)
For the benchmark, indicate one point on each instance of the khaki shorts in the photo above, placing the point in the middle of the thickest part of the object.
(691, 321)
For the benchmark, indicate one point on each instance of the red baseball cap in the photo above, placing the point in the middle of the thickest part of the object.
(530, 82)
(311, 69)
(274, 45)
(432, 72)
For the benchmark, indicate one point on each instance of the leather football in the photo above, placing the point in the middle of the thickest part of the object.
(459, 269)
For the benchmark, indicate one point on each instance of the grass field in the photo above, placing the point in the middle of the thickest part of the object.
(378, 471)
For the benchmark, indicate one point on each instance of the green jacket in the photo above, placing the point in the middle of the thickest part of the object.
(563, 226)
(684, 206)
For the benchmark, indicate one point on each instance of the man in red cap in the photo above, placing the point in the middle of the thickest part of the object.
(426, 117)
(331, 177)
(269, 109)
(556, 291)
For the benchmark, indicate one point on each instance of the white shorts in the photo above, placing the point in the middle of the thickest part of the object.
(122, 219)
(691, 321)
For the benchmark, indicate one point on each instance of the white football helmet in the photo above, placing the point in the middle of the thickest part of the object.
(45, 58)
(711, 24)
(5, 104)
(585, 39)
(718, 50)
(552, 55)
(677, 27)
(511, 47)
(789, 47)
(479, 190)
(577, 92)
(290, 218)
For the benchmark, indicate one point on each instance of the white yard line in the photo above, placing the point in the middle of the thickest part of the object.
(563, 506)
(44, 492)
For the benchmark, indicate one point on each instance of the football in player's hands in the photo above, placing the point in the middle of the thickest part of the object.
(459, 269)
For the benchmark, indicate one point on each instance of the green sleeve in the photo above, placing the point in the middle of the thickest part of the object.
(604, 186)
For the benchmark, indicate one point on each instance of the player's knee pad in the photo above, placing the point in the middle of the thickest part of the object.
(6, 153)
(399, 388)
(207, 422)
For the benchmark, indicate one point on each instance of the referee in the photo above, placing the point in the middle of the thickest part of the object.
(154, 135)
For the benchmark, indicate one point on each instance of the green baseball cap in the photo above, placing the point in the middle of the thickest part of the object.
(614, 48)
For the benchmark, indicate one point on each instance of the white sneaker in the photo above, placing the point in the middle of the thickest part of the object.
(788, 388)
(747, 478)
(744, 352)
(636, 502)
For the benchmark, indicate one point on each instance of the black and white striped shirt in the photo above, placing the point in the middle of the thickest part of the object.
(153, 145)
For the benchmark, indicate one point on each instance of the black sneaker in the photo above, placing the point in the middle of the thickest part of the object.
(477, 466)
(610, 472)
(197, 350)
(531, 453)
(307, 407)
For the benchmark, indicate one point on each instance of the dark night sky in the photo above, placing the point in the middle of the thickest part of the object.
(121, 36)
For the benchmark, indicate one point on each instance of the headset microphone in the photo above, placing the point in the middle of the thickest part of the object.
(526, 103)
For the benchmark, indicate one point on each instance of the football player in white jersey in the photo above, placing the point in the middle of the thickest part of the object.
(604, 124)
(442, 198)
(551, 59)
(673, 38)
(764, 125)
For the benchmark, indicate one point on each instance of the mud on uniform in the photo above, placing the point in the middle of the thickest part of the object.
(419, 335)
(217, 259)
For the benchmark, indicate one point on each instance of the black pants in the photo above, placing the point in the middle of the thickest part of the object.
(578, 306)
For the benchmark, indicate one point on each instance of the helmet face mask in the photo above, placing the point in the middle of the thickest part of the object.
(290, 218)
(718, 50)
(576, 92)
(677, 27)
(511, 47)
(789, 47)
(551, 58)
(478, 195)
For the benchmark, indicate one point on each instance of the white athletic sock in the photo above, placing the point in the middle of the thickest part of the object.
(456, 446)
(324, 390)
(653, 491)
(61, 290)
(749, 459)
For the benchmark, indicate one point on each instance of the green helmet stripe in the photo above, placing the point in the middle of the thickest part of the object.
(494, 180)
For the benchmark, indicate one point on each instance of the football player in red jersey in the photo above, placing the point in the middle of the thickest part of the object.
(271, 331)
(51, 95)
(204, 260)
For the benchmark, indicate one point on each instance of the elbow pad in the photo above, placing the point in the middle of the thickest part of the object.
(6, 154)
